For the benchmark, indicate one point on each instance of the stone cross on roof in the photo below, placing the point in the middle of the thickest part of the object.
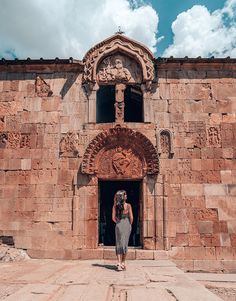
(119, 31)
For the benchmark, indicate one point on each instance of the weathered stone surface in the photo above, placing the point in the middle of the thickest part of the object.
(12, 254)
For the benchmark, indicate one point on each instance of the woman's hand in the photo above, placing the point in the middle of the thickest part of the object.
(131, 217)
(114, 214)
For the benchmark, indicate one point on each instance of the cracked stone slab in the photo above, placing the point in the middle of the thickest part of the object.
(193, 294)
(83, 292)
(34, 292)
(150, 294)
(7, 290)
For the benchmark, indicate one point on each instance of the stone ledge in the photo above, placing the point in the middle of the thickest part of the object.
(99, 253)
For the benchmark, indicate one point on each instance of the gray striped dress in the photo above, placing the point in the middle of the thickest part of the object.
(123, 229)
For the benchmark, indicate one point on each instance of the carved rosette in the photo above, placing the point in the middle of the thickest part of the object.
(117, 44)
(165, 144)
(120, 152)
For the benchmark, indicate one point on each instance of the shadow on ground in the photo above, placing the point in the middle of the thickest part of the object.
(106, 266)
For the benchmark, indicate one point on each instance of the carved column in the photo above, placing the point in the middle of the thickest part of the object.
(120, 103)
(92, 104)
(147, 109)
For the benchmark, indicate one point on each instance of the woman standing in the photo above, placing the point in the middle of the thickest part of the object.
(122, 215)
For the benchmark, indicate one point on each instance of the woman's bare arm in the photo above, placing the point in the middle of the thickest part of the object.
(114, 214)
(131, 218)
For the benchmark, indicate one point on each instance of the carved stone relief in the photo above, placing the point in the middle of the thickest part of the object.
(3, 140)
(118, 151)
(119, 162)
(25, 141)
(213, 136)
(197, 130)
(119, 104)
(69, 145)
(13, 140)
(165, 142)
(119, 68)
(42, 89)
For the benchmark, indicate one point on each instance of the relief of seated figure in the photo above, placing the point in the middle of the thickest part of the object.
(114, 71)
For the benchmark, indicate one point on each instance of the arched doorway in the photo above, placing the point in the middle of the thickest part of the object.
(118, 158)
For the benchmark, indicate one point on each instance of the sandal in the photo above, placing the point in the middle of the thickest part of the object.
(119, 267)
(123, 266)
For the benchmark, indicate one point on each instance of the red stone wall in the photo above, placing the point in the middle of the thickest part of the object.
(36, 184)
(200, 180)
(51, 209)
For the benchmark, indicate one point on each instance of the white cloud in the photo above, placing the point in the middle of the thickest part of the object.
(197, 32)
(64, 28)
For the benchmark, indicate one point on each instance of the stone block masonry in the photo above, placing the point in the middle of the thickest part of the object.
(53, 153)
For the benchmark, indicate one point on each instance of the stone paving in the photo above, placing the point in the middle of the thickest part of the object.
(95, 280)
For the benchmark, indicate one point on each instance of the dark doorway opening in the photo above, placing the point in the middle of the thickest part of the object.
(105, 111)
(107, 190)
(133, 104)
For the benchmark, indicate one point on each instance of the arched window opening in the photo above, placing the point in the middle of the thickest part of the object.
(105, 105)
(133, 111)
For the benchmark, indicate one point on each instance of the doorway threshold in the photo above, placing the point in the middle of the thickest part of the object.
(113, 247)
(137, 253)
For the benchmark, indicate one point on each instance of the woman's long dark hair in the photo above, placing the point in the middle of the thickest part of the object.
(119, 202)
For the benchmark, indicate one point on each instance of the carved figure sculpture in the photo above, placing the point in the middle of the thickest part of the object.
(113, 72)
(213, 136)
(121, 160)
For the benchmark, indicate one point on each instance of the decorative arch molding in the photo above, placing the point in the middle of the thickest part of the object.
(118, 43)
(124, 150)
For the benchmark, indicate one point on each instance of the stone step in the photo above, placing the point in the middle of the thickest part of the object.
(137, 254)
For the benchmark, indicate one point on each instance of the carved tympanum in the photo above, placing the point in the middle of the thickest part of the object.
(119, 162)
(119, 68)
(42, 89)
(98, 59)
(69, 145)
(120, 152)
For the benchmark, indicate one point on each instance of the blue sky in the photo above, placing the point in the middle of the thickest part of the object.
(168, 10)
(68, 28)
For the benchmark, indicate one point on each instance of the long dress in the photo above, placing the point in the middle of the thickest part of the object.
(122, 230)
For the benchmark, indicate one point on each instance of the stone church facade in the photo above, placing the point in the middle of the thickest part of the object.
(73, 132)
